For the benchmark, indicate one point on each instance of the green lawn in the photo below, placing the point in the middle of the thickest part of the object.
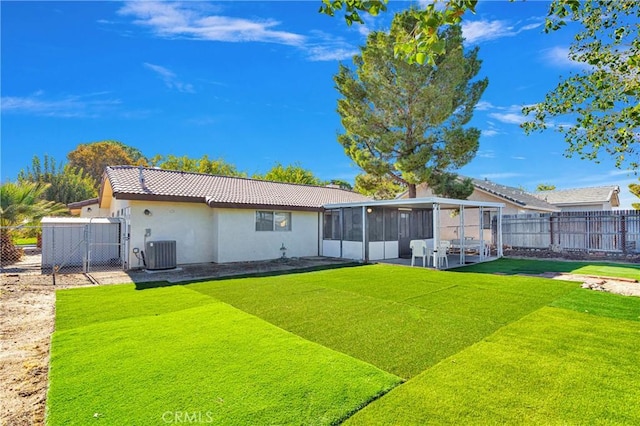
(25, 241)
(528, 266)
(213, 360)
(319, 347)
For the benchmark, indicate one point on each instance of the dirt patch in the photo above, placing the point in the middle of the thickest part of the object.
(27, 308)
(625, 287)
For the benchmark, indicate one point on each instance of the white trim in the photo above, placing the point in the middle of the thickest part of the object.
(417, 202)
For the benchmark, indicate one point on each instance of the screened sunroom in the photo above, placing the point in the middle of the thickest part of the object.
(384, 230)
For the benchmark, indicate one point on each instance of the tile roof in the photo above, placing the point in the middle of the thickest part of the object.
(80, 204)
(515, 195)
(158, 184)
(593, 195)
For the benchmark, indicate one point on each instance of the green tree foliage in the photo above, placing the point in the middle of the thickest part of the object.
(378, 187)
(545, 187)
(197, 165)
(95, 156)
(406, 121)
(67, 184)
(343, 184)
(421, 42)
(293, 173)
(22, 203)
(634, 188)
(602, 101)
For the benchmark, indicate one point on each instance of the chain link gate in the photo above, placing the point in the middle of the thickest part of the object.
(65, 246)
(94, 244)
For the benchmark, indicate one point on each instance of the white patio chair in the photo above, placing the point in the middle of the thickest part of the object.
(419, 249)
(440, 255)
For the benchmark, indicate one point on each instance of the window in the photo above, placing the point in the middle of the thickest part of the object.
(273, 221)
(332, 225)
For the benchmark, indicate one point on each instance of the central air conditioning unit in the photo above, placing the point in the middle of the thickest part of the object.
(160, 255)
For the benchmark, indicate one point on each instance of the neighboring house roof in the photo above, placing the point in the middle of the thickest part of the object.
(139, 183)
(580, 196)
(83, 203)
(514, 195)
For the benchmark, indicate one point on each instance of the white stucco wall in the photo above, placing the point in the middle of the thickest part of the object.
(94, 210)
(189, 224)
(238, 239)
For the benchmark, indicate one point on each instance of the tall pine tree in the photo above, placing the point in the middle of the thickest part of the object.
(407, 121)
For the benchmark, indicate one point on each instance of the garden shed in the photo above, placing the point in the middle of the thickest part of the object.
(82, 244)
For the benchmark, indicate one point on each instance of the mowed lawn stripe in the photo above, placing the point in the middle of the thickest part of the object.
(532, 266)
(226, 366)
(601, 303)
(554, 366)
(434, 317)
(91, 305)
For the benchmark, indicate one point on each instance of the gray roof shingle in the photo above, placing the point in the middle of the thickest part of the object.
(515, 195)
(158, 184)
(593, 195)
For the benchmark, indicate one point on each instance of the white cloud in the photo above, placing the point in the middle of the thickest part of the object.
(327, 47)
(490, 132)
(559, 56)
(485, 30)
(519, 158)
(498, 176)
(71, 106)
(486, 154)
(170, 79)
(509, 117)
(191, 20)
(483, 106)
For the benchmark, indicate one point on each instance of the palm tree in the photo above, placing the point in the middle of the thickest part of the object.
(22, 203)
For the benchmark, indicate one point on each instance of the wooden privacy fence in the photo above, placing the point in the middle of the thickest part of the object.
(608, 231)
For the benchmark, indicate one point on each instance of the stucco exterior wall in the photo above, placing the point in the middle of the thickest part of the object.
(189, 224)
(93, 210)
(238, 240)
(587, 207)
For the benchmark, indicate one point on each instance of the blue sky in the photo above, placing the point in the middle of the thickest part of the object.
(251, 82)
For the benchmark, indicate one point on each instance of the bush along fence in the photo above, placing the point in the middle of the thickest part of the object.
(575, 235)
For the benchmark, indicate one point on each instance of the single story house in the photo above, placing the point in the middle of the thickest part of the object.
(228, 219)
(602, 198)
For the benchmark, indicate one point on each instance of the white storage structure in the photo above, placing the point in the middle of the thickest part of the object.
(82, 243)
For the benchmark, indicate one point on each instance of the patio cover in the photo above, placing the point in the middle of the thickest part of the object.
(436, 204)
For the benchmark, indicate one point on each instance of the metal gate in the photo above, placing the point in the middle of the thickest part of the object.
(75, 245)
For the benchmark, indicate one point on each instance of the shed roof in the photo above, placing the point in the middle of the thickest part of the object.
(140, 183)
(592, 195)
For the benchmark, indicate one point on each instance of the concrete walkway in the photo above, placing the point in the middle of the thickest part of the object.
(204, 271)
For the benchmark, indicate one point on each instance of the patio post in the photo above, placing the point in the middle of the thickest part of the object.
(461, 236)
(499, 231)
(436, 233)
(481, 234)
